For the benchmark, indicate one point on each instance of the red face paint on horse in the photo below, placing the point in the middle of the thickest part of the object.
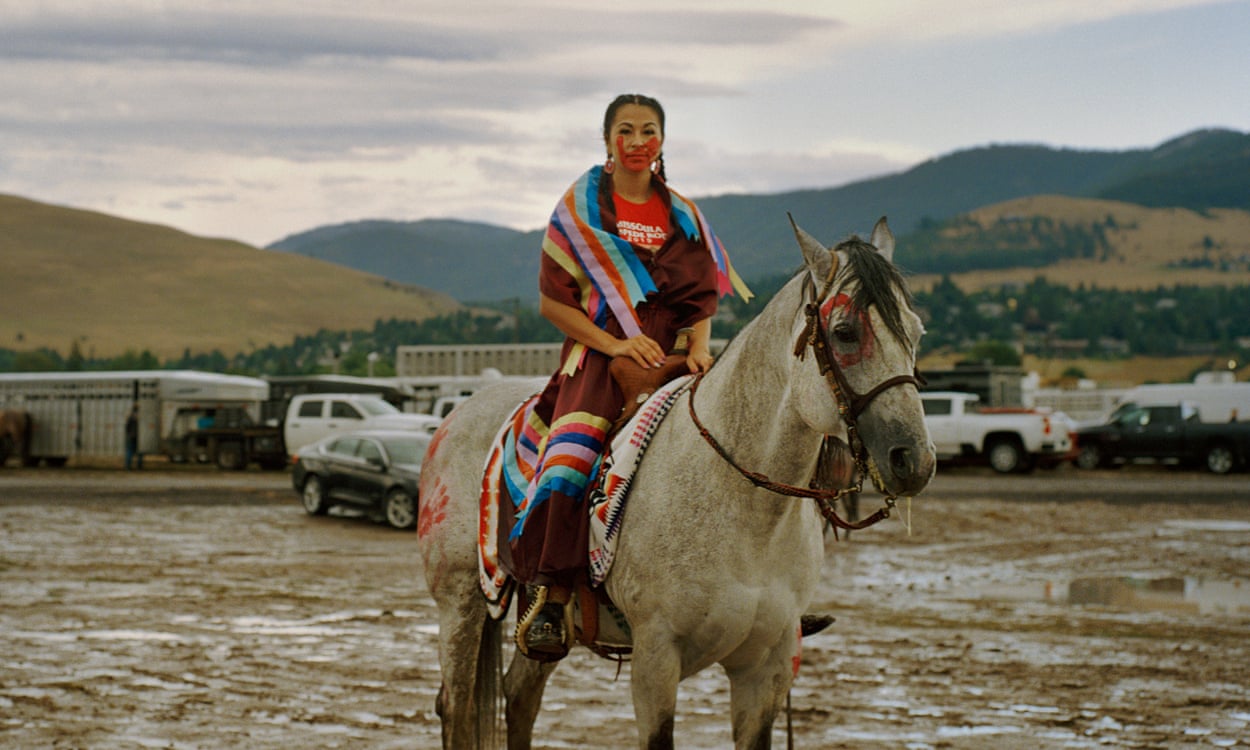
(867, 339)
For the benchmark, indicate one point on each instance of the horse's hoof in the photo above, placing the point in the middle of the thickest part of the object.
(813, 624)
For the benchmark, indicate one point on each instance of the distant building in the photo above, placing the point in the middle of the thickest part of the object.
(997, 385)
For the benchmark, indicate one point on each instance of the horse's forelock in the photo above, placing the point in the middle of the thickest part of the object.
(878, 282)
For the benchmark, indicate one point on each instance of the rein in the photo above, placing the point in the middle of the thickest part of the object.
(850, 406)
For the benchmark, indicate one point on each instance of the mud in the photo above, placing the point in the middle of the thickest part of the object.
(205, 610)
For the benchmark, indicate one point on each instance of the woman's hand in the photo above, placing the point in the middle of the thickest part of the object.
(699, 359)
(572, 322)
(641, 348)
(700, 356)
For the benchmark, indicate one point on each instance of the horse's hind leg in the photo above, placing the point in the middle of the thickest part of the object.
(523, 689)
(469, 682)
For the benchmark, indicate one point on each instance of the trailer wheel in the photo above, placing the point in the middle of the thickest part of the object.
(1220, 459)
(401, 510)
(313, 497)
(1006, 456)
(230, 456)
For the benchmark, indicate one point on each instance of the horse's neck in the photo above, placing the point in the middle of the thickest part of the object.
(745, 400)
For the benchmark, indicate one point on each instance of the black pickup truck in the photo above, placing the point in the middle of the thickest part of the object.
(1172, 434)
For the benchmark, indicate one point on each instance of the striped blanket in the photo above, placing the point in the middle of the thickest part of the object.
(607, 494)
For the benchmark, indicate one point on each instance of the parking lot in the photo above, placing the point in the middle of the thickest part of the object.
(202, 609)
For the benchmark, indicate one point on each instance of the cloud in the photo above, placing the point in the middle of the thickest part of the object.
(259, 119)
(257, 37)
(263, 35)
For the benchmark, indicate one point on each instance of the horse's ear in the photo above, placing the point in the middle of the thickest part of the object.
(820, 261)
(883, 239)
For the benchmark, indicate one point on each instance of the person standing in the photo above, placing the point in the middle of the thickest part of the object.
(133, 456)
(626, 263)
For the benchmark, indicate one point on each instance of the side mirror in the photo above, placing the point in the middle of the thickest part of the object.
(376, 462)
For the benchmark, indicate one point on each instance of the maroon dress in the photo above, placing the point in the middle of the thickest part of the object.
(553, 547)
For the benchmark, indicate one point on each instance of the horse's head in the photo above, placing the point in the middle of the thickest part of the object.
(863, 331)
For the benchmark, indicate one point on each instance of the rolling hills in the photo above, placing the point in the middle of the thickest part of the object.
(113, 285)
(1199, 171)
(985, 216)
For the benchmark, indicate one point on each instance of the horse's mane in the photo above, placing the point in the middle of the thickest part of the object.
(880, 284)
(878, 279)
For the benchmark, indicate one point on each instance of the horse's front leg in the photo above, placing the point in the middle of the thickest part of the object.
(523, 688)
(655, 672)
(757, 694)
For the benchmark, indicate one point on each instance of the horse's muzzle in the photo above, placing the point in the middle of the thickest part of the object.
(911, 468)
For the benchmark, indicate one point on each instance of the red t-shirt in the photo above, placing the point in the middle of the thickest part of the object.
(644, 224)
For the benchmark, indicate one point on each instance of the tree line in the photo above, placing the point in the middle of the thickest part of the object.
(1039, 317)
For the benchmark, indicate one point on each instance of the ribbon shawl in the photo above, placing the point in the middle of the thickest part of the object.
(608, 271)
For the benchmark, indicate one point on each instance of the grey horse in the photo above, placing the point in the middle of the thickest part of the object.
(713, 566)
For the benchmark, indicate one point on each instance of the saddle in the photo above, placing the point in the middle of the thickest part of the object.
(638, 383)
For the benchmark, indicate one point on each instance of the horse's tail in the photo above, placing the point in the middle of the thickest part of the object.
(488, 696)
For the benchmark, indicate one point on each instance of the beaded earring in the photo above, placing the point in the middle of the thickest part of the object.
(609, 166)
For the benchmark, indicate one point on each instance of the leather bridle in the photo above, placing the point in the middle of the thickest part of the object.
(850, 406)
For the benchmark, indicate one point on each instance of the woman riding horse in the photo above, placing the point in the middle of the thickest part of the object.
(626, 263)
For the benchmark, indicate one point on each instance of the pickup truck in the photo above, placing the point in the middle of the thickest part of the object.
(313, 416)
(1171, 433)
(1009, 440)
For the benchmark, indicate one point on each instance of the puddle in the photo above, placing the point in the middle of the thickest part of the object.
(1195, 595)
(1208, 525)
(1135, 594)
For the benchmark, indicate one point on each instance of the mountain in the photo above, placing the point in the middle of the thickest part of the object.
(1200, 170)
(112, 285)
(491, 263)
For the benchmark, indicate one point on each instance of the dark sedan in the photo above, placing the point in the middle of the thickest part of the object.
(374, 470)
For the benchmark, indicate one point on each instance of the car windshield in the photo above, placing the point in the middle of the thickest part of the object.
(407, 450)
(376, 406)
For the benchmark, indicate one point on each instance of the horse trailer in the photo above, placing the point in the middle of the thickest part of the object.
(185, 415)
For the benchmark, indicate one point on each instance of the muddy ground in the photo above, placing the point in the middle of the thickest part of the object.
(176, 609)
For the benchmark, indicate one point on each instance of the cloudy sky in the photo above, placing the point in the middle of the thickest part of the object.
(256, 119)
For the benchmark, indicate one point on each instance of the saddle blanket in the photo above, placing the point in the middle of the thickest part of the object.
(606, 495)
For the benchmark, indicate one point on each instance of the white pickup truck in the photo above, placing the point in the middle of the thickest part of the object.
(1009, 440)
(312, 416)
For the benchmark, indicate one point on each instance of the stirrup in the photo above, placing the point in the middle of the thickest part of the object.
(554, 650)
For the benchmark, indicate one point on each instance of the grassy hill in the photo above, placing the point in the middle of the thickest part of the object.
(1134, 247)
(115, 285)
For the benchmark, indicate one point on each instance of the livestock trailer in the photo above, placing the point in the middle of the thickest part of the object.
(82, 415)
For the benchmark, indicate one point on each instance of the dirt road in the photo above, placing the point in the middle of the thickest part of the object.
(205, 610)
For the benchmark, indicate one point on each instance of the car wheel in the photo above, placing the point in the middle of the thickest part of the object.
(1005, 456)
(313, 496)
(1220, 459)
(1090, 457)
(401, 510)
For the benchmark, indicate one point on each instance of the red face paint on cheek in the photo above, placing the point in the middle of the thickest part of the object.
(641, 157)
(867, 340)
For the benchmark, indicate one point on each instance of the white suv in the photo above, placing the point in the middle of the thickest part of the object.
(312, 416)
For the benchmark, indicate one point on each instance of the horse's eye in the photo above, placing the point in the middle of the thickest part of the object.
(845, 332)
